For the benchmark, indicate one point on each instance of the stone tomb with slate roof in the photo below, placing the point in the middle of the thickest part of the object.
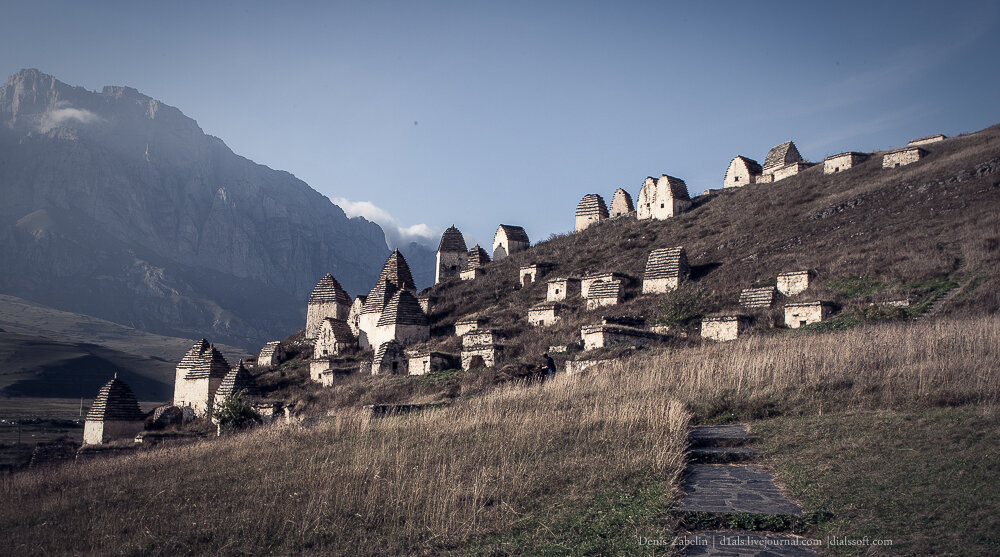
(562, 288)
(334, 339)
(545, 314)
(742, 171)
(529, 274)
(588, 281)
(371, 311)
(666, 268)
(115, 414)
(781, 156)
(590, 210)
(238, 380)
(476, 260)
(198, 376)
(403, 321)
(843, 161)
(390, 359)
(756, 298)
(452, 254)
(464, 326)
(792, 283)
(661, 198)
(604, 335)
(605, 293)
(480, 348)
(328, 299)
(925, 140)
(509, 239)
(621, 205)
(902, 157)
(271, 355)
(723, 328)
(354, 316)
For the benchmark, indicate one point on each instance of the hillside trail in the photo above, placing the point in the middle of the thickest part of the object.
(960, 285)
(732, 508)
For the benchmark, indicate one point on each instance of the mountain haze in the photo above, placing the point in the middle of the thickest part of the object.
(116, 205)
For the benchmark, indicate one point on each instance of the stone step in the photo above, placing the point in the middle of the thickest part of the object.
(733, 489)
(746, 544)
(718, 435)
(722, 455)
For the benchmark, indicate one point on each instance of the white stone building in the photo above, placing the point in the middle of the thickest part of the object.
(509, 239)
(788, 170)
(780, 157)
(929, 139)
(741, 171)
(559, 289)
(806, 313)
(605, 293)
(198, 376)
(354, 316)
(114, 414)
(334, 339)
(723, 328)
(476, 260)
(529, 274)
(402, 321)
(464, 326)
(271, 355)
(590, 210)
(237, 380)
(902, 157)
(792, 283)
(663, 197)
(328, 299)
(390, 359)
(480, 348)
(603, 335)
(545, 314)
(621, 205)
(452, 255)
(589, 280)
(424, 362)
(843, 161)
(371, 311)
(666, 268)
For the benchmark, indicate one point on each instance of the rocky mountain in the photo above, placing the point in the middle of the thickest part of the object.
(115, 205)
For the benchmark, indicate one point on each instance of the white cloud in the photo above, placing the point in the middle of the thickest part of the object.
(61, 114)
(395, 234)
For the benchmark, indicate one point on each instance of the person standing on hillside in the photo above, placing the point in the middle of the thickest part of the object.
(549, 366)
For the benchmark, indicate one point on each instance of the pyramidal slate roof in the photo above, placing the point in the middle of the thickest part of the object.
(115, 402)
(477, 258)
(452, 241)
(403, 309)
(397, 271)
(341, 331)
(329, 290)
(379, 297)
(513, 233)
(391, 348)
(752, 166)
(203, 361)
(666, 263)
(622, 202)
(269, 348)
(783, 154)
(605, 289)
(238, 379)
(592, 205)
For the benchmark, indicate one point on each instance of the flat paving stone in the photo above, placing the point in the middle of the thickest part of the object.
(746, 544)
(731, 488)
(713, 432)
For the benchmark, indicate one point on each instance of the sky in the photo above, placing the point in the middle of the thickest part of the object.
(420, 115)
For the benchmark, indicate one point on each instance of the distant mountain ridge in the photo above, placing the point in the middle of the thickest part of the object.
(116, 205)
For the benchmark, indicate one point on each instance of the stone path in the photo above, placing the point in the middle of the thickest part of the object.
(720, 491)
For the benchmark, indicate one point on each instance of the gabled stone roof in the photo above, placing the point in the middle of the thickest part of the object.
(622, 202)
(513, 233)
(666, 263)
(678, 188)
(403, 309)
(397, 271)
(238, 379)
(329, 290)
(115, 402)
(379, 297)
(783, 154)
(591, 205)
(203, 361)
(605, 289)
(452, 241)
(269, 349)
(340, 329)
(846, 153)
(752, 166)
(757, 297)
(477, 258)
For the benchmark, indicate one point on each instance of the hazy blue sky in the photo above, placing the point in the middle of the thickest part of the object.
(477, 113)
